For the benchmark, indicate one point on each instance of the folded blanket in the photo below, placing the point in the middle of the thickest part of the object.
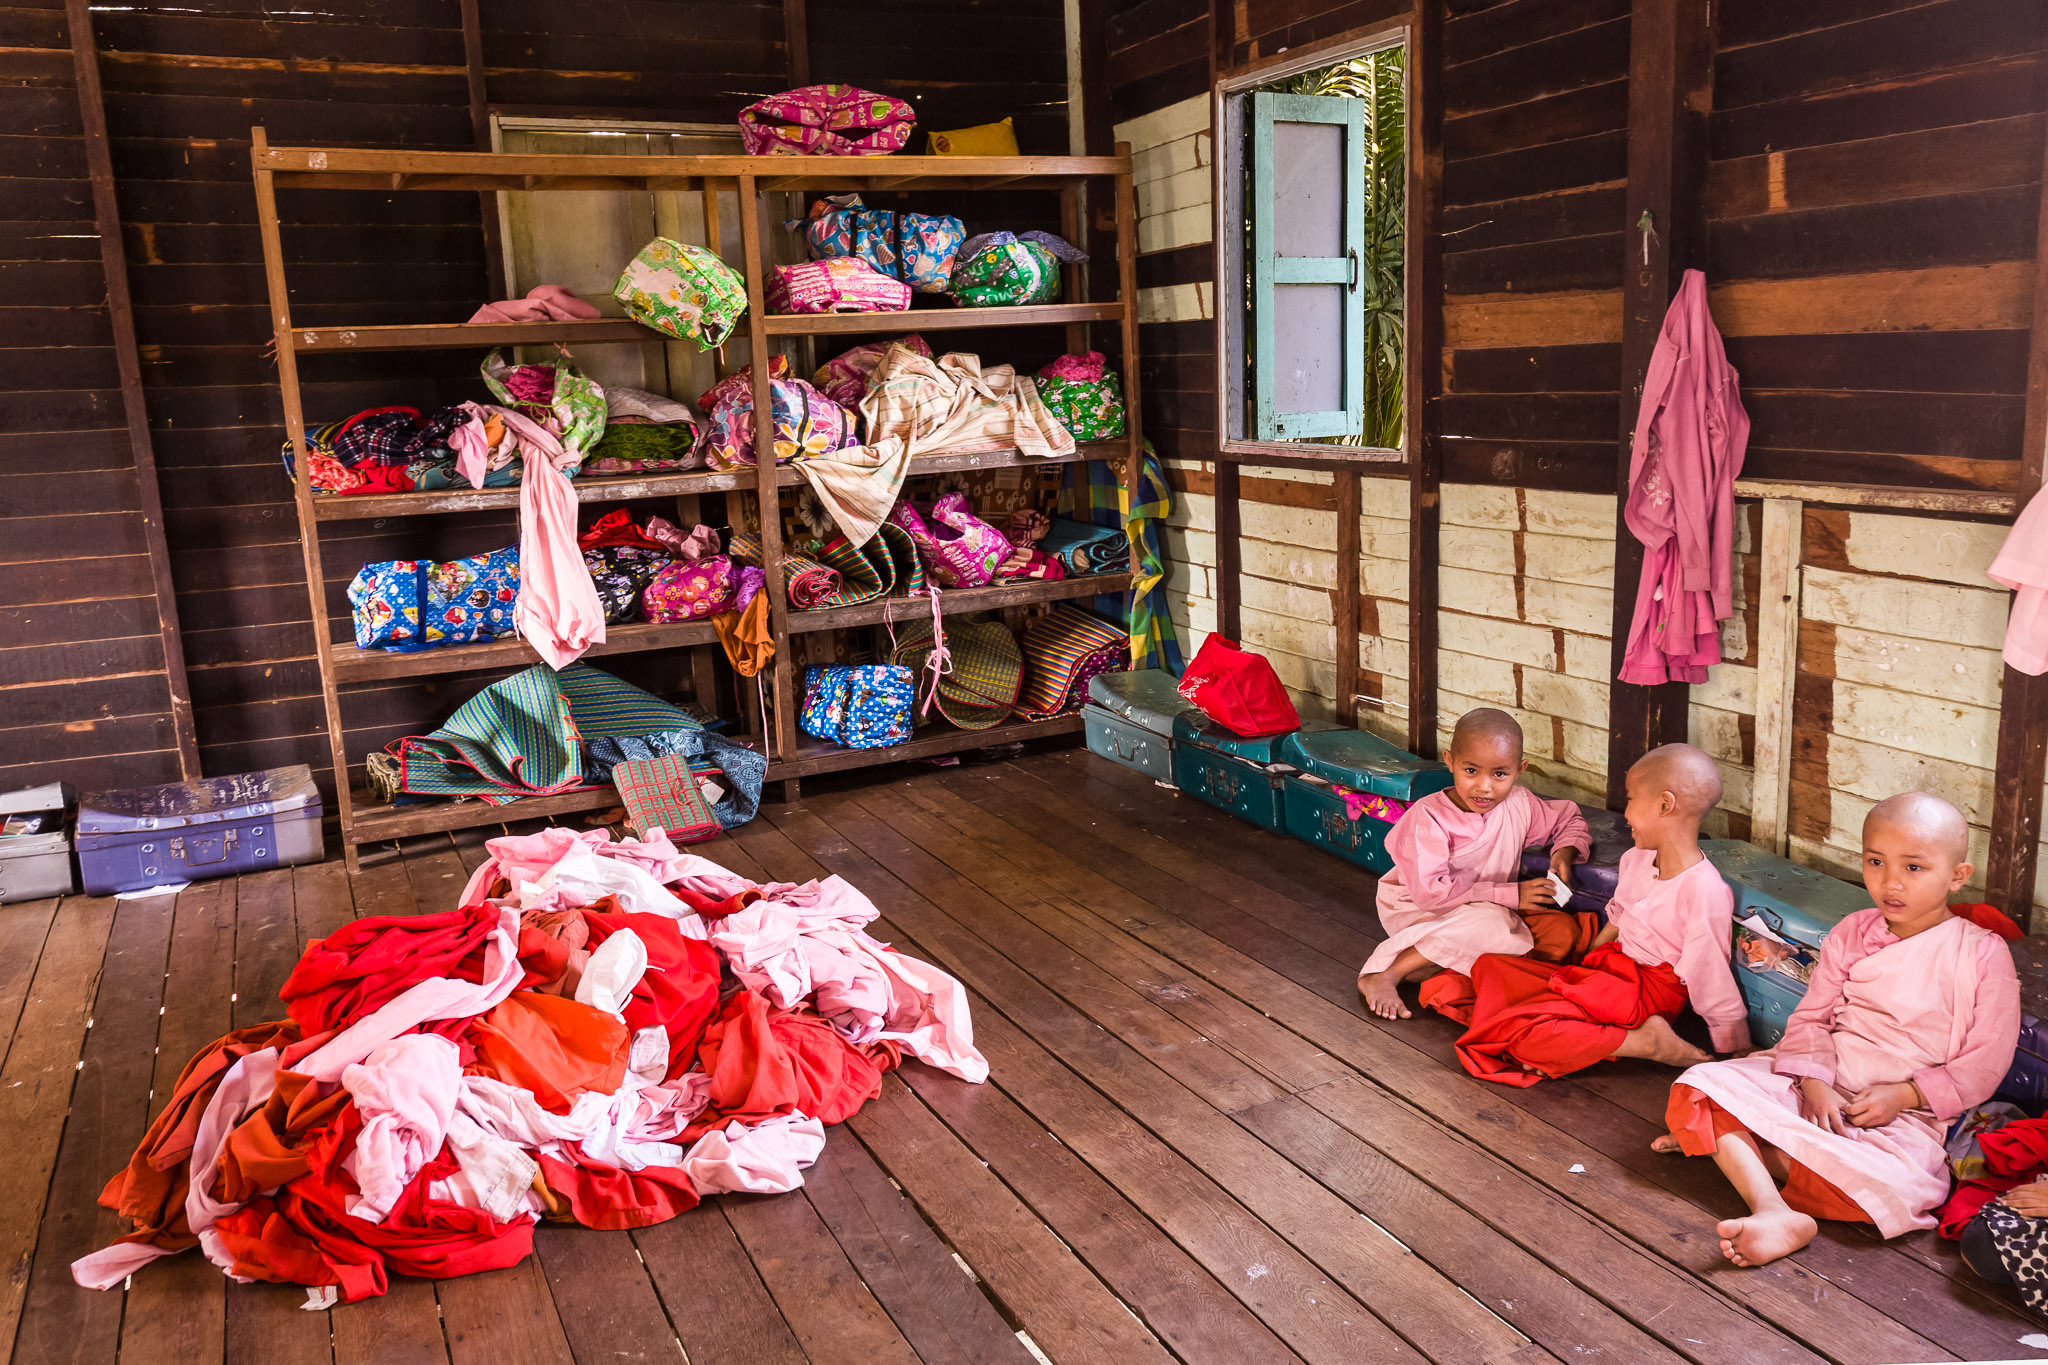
(1086, 549)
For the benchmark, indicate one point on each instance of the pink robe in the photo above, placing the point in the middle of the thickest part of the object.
(2022, 563)
(1940, 1009)
(1686, 923)
(1690, 436)
(1457, 877)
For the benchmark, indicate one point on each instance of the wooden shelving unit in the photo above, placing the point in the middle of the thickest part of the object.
(791, 756)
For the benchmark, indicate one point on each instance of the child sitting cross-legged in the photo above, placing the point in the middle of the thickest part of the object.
(1665, 944)
(1911, 1018)
(1456, 889)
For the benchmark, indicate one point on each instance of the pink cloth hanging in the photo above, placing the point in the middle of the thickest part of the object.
(2022, 564)
(543, 303)
(1690, 436)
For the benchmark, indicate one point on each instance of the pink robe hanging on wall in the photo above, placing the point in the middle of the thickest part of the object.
(2022, 564)
(1690, 436)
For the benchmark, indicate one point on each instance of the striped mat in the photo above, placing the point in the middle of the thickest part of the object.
(1062, 650)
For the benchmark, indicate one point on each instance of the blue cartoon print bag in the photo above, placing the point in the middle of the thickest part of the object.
(863, 706)
(410, 604)
(916, 248)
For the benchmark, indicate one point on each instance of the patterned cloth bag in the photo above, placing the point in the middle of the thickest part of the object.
(621, 573)
(662, 793)
(555, 394)
(1083, 393)
(863, 706)
(806, 423)
(916, 248)
(843, 284)
(1004, 270)
(413, 604)
(826, 120)
(691, 589)
(960, 549)
(844, 378)
(682, 290)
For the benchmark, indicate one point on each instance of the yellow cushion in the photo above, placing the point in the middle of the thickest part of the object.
(987, 139)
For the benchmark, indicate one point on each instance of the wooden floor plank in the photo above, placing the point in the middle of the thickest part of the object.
(23, 928)
(435, 872)
(321, 901)
(607, 1305)
(502, 1317)
(1183, 1304)
(1303, 989)
(1618, 1109)
(109, 1110)
(36, 1082)
(714, 1296)
(1066, 1310)
(822, 1298)
(931, 1297)
(400, 1327)
(1151, 1082)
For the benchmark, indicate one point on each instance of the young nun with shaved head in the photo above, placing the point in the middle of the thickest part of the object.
(1665, 945)
(1456, 889)
(1911, 1018)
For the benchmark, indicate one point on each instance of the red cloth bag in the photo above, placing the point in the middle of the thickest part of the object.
(1238, 690)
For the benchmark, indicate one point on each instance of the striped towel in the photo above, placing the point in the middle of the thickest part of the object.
(1062, 651)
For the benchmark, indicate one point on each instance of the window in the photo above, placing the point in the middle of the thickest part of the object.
(1313, 174)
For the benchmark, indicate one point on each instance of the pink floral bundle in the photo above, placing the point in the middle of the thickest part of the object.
(843, 284)
(826, 120)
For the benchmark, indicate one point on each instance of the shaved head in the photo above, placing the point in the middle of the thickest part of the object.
(1687, 773)
(1488, 729)
(1923, 819)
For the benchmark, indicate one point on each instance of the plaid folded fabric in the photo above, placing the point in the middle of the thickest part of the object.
(662, 793)
(1032, 564)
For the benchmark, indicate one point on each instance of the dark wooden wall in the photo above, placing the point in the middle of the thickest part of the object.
(81, 670)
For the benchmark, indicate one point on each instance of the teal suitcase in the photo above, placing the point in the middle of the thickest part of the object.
(1129, 719)
(1315, 814)
(1242, 776)
(1799, 906)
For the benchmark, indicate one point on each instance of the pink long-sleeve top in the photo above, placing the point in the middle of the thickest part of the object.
(1977, 1007)
(1434, 857)
(1685, 922)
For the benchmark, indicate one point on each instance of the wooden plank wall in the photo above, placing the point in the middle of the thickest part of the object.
(80, 670)
(1873, 198)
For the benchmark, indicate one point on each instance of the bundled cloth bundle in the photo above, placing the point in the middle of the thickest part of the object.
(557, 1046)
(1084, 549)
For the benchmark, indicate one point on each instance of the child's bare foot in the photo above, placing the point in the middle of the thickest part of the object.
(1657, 1041)
(1763, 1237)
(1665, 1144)
(1382, 992)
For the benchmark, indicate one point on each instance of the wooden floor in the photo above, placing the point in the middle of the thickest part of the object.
(1193, 1145)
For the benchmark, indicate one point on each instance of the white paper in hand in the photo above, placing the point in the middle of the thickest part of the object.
(1561, 888)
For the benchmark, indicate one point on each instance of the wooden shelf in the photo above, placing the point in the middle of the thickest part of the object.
(384, 169)
(815, 756)
(442, 336)
(906, 610)
(627, 488)
(938, 319)
(352, 665)
(372, 821)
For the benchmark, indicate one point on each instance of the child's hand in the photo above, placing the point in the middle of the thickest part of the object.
(1562, 861)
(1877, 1105)
(2030, 1199)
(1608, 934)
(1821, 1106)
(1538, 894)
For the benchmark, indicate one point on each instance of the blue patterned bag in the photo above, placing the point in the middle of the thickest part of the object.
(410, 604)
(864, 706)
(916, 248)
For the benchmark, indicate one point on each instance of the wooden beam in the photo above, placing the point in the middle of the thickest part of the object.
(92, 113)
(796, 32)
(1777, 666)
(2023, 702)
(1424, 365)
(1344, 598)
(1229, 534)
(480, 133)
(1670, 92)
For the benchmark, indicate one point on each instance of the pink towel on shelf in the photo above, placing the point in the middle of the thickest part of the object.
(2022, 564)
(543, 303)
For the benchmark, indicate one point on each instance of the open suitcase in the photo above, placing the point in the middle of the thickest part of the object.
(1790, 909)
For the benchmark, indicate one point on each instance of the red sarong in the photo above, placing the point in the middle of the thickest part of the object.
(1532, 1020)
(1699, 1124)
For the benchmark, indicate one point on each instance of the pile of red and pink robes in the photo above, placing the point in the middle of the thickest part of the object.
(603, 1033)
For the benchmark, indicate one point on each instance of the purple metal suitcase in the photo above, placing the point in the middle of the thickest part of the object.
(190, 831)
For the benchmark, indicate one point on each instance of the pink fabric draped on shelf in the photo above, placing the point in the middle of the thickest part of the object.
(543, 303)
(1690, 436)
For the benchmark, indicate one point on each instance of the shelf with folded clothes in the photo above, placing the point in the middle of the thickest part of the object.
(352, 665)
(1016, 592)
(626, 488)
(813, 756)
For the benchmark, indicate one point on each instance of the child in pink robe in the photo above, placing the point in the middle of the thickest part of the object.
(1456, 889)
(1912, 1017)
(1665, 946)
